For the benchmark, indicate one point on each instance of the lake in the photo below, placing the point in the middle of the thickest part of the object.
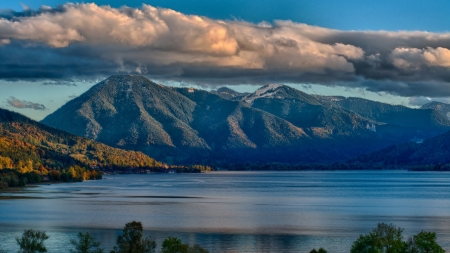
(234, 211)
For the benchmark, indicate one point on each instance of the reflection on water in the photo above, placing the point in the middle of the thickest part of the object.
(234, 211)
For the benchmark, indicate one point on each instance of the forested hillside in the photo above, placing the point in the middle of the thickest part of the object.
(27, 146)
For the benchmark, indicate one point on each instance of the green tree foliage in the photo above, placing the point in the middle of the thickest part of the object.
(388, 239)
(86, 243)
(383, 238)
(321, 250)
(175, 245)
(26, 145)
(424, 242)
(131, 240)
(32, 241)
(172, 245)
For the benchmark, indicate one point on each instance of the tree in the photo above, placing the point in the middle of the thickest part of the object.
(131, 240)
(321, 250)
(196, 249)
(383, 239)
(174, 245)
(32, 241)
(86, 244)
(424, 242)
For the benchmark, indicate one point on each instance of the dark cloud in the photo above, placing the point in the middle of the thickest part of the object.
(21, 104)
(86, 41)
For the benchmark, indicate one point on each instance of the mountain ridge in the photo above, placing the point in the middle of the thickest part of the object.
(276, 123)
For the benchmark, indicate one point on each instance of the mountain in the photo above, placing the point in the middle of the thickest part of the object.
(306, 111)
(391, 114)
(399, 122)
(229, 94)
(24, 141)
(276, 123)
(133, 113)
(433, 151)
(442, 108)
(345, 121)
(178, 125)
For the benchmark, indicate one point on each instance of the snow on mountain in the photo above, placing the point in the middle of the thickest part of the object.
(267, 91)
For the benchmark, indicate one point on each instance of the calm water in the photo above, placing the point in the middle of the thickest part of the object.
(234, 211)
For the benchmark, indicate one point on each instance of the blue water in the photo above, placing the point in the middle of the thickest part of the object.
(234, 211)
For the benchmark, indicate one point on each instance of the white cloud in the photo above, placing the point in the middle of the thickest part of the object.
(416, 58)
(21, 104)
(172, 37)
(91, 41)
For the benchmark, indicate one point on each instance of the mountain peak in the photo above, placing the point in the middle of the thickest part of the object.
(441, 108)
(267, 91)
(229, 94)
(432, 104)
(225, 89)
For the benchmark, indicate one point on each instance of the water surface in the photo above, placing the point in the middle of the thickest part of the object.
(234, 211)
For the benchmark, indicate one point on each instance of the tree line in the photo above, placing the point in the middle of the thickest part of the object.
(14, 178)
(385, 238)
(388, 238)
(130, 241)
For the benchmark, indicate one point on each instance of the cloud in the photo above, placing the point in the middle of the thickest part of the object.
(87, 41)
(414, 58)
(59, 82)
(21, 104)
(419, 101)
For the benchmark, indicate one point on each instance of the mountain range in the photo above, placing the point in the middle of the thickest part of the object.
(434, 151)
(276, 123)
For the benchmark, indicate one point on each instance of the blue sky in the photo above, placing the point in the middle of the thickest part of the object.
(342, 50)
